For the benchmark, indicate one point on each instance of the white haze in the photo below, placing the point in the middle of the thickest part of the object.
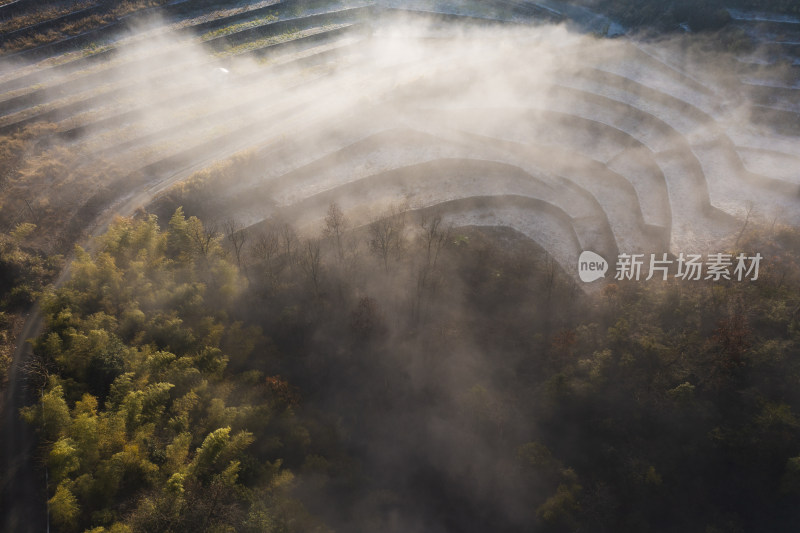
(585, 143)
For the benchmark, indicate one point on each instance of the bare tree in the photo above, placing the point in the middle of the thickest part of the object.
(335, 228)
(201, 235)
(386, 236)
(235, 234)
(289, 243)
(778, 214)
(746, 221)
(265, 249)
(433, 238)
(310, 261)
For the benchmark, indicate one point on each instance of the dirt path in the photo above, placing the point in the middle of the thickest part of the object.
(23, 504)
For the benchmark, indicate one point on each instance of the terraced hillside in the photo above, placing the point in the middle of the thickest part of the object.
(488, 111)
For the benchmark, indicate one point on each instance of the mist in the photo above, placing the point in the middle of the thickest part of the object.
(629, 151)
(434, 385)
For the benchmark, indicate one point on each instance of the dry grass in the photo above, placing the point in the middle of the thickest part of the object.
(42, 14)
(240, 26)
(70, 29)
(287, 35)
(39, 181)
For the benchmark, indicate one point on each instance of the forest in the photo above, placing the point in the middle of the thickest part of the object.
(409, 376)
(299, 266)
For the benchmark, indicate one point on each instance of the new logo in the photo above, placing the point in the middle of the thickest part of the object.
(591, 267)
